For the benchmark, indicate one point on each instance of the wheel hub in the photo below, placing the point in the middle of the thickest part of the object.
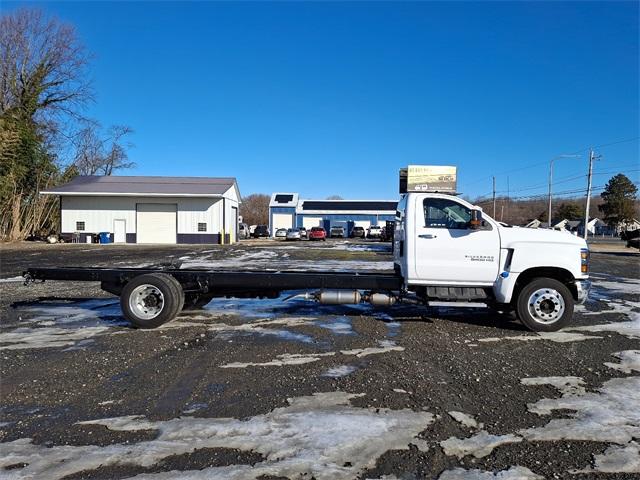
(146, 301)
(546, 305)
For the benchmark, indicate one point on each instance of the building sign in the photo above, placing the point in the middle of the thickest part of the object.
(428, 178)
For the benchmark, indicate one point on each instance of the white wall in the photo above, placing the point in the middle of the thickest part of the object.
(98, 213)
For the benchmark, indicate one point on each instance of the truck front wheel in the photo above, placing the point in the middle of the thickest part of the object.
(150, 300)
(545, 305)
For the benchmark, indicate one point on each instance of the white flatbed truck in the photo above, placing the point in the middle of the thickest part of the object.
(446, 252)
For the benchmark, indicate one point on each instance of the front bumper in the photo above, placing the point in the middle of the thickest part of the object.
(583, 287)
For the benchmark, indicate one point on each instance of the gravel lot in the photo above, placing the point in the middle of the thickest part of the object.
(266, 389)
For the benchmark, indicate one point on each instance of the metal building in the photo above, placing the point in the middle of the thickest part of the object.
(287, 210)
(149, 209)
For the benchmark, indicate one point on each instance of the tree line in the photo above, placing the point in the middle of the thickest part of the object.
(45, 139)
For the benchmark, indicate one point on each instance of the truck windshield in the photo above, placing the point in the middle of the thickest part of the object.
(444, 213)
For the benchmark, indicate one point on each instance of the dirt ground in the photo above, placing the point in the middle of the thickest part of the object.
(271, 389)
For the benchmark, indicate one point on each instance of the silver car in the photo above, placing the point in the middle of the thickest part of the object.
(281, 233)
(293, 234)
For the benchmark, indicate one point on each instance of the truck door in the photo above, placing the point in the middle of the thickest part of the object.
(447, 250)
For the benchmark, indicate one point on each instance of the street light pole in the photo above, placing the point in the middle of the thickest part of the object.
(551, 181)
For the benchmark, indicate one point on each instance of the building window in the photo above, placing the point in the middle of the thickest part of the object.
(202, 227)
(80, 226)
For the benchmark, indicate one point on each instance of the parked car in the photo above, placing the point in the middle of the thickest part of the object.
(357, 232)
(375, 231)
(303, 232)
(387, 232)
(281, 234)
(293, 234)
(243, 231)
(260, 231)
(336, 232)
(317, 233)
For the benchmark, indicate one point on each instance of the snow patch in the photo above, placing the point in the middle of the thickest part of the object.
(384, 347)
(610, 415)
(480, 445)
(514, 473)
(321, 436)
(340, 371)
(629, 361)
(282, 360)
(12, 279)
(629, 329)
(616, 459)
(565, 385)
(558, 337)
(464, 419)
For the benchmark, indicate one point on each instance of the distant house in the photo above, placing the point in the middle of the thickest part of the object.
(628, 226)
(149, 209)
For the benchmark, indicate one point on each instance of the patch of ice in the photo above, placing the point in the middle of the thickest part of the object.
(259, 329)
(339, 326)
(321, 436)
(558, 337)
(623, 285)
(480, 445)
(565, 385)
(629, 361)
(340, 371)
(514, 473)
(464, 419)
(47, 337)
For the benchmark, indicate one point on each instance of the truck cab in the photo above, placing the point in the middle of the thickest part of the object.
(447, 249)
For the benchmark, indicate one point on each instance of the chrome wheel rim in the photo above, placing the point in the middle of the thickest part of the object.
(546, 305)
(146, 301)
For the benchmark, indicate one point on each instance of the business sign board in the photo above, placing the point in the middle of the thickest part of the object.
(428, 178)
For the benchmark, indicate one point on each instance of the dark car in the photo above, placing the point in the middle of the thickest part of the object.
(357, 232)
(261, 231)
(317, 233)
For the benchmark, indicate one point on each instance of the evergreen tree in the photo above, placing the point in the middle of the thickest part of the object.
(619, 195)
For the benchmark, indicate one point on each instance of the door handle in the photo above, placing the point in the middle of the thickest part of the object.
(428, 235)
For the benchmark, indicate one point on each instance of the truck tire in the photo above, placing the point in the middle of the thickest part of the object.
(151, 300)
(544, 305)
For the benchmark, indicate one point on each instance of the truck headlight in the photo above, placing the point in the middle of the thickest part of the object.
(584, 260)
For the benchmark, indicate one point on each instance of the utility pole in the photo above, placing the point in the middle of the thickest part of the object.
(508, 195)
(494, 197)
(592, 157)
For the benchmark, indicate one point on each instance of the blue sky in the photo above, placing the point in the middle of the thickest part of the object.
(333, 98)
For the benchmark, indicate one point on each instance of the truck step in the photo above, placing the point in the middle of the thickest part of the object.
(456, 294)
(458, 304)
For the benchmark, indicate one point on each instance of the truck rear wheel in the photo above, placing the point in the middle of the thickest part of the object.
(545, 305)
(150, 300)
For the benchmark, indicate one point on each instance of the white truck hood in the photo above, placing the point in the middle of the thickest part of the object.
(511, 236)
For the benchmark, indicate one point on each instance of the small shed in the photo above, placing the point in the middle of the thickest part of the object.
(137, 209)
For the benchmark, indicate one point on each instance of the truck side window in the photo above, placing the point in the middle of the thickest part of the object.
(444, 213)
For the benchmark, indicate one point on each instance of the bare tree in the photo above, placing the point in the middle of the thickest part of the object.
(43, 83)
(98, 155)
(42, 66)
(255, 209)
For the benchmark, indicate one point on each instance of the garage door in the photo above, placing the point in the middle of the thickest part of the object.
(362, 223)
(281, 220)
(156, 223)
(310, 222)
